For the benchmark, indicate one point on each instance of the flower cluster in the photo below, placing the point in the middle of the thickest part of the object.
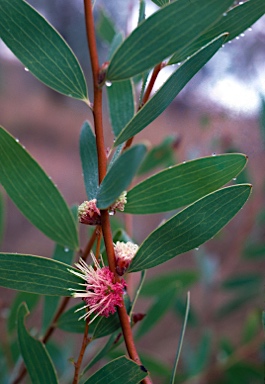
(88, 213)
(124, 253)
(119, 203)
(101, 293)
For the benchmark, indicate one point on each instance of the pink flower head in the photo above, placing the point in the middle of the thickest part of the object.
(101, 294)
(124, 253)
(88, 213)
(119, 203)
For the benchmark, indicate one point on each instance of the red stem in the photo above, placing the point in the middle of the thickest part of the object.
(81, 354)
(147, 94)
(102, 169)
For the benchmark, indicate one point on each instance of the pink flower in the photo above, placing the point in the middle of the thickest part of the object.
(124, 253)
(101, 294)
(119, 204)
(88, 213)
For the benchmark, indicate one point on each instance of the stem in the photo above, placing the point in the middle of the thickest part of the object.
(150, 86)
(81, 354)
(102, 169)
(146, 96)
(97, 110)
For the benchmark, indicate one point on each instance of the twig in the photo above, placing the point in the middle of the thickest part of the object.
(146, 96)
(81, 354)
(102, 169)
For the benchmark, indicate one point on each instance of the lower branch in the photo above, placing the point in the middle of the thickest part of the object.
(81, 354)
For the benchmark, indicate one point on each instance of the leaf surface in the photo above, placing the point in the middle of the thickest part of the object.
(169, 90)
(89, 159)
(36, 358)
(172, 27)
(36, 274)
(120, 175)
(121, 370)
(183, 184)
(41, 49)
(121, 104)
(191, 227)
(34, 193)
(235, 22)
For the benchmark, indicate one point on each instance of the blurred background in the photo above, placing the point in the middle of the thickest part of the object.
(221, 110)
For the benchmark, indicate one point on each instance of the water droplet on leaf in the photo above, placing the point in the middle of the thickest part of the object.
(108, 83)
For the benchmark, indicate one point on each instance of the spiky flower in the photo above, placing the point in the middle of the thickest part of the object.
(88, 213)
(101, 293)
(119, 203)
(124, 253)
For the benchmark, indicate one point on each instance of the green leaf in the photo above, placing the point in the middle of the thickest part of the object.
(169, 90)
(51, 302)
(251, 327)
(121, 370)
(181, 339)
(89, 158)
(30, 299)
(183, 184)
(41, 49)
(263, 320)
(120, 175)
(34, 353)
(34, 193)
(105, 27)
(160, 3)
(173, 26)
(160, 155)
(243, 281)
(121, 104)
(191, 227)
(2, 216)
(160, 307)
(141, 15)
(236, 21)
(180, 279)
(203, 352)
(36, 274)
(254, 252)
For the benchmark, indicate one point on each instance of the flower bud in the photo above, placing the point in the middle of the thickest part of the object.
(124, 253)
(88, 213)
(119, 203)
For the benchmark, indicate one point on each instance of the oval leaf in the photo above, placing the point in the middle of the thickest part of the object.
(41, 49)
(120, 175)
(121, 104)
(36, 274)
(191, 227)
(236, 21)
(89, 158)
(174, 26)
(121, 370)
(183, 184)
(34, 193)
(34, 353)
(169, 90)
